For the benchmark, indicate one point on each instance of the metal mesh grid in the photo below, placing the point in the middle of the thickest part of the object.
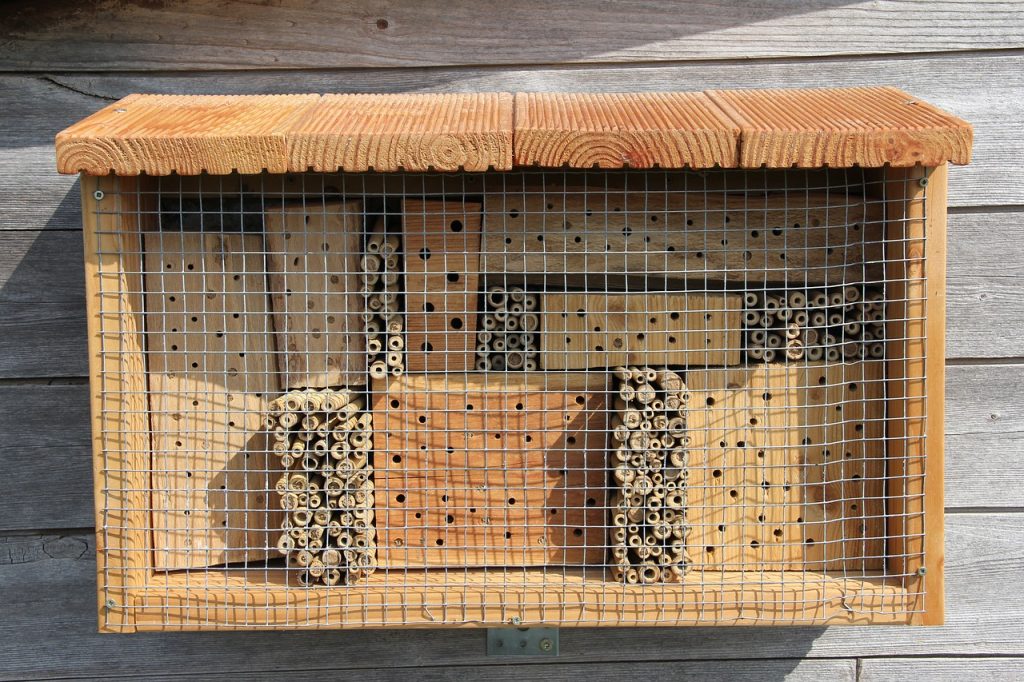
(507, 397)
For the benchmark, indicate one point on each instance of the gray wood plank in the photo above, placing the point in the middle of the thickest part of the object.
(992, 99)
(206, 34)
(42, 304)
(984, 432)
(41, 576)
(984, 287)
(538, 669)
(984, 435)
(46, 457)
(975, 669)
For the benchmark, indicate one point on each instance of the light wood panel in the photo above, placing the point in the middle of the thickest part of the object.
(787, 467)
(487, 470)
(117, 391)
(579, 331)
(442, 270)
(638, 130)
(202, 34)
(313, 253)
(842, 127)
(210, 376)
(675, 226)
(472, 132)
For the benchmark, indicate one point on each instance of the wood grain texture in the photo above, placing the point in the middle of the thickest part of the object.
(313, 264)
(202, 34)
(356, 133)
(188, 135)
(842, 127)
(117, 392)
(616, 130)
(210, 380)
(41, 575)
(569, 598)
(441, 241)
(473, 471)
(942, 669)
(667, 224)
(580, 331)
(787, 467)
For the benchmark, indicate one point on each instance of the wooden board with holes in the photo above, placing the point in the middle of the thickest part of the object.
(680, 230)
(442, 264)
(477, 471)
(313, 263)
(210, 375)
(787, 467)
(580, 331)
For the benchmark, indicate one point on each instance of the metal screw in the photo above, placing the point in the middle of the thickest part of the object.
(516, 620)
(923, 182)
(546, 644)
(98, 195)
(922, 571)
(110, 604)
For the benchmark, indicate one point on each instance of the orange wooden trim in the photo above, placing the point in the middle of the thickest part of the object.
(226, 600)
(120, 425)
(191, 134)
(842, 127)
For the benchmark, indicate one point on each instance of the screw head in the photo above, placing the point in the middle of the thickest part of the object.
(516, 620)
(546, 644)
(110, 604)
(922, 571)
(923, 182)
(98, 195)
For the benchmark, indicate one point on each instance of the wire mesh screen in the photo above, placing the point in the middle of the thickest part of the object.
(577, 398)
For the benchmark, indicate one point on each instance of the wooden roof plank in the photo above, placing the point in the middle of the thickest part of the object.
(190, 134)
(615, 130)
(184, 134)
(411, 132)
(842, 127)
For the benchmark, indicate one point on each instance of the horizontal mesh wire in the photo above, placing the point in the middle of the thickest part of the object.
(574, 398)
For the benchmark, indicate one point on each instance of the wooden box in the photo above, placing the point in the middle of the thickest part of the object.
(224, 259)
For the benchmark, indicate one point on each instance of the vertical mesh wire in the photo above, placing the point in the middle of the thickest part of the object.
(577, 398)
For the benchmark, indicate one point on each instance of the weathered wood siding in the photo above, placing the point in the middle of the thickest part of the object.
(61, 60)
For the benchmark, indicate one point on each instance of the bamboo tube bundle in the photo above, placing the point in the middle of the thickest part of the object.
(384, 324)
(326, 487)
(509, 326)
(649, 470)
(827, 323)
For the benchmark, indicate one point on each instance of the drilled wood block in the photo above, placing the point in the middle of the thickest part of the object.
(787, 466)
(442, 262)
(813, 237)
(313, 261)
(472, 471)
(210, 375)
(580, 331)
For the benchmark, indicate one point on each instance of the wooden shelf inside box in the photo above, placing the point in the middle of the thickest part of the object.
(237, 599)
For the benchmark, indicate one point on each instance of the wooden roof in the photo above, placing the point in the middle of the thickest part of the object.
(191, 134)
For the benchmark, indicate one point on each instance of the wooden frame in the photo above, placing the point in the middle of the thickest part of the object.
(744, 130)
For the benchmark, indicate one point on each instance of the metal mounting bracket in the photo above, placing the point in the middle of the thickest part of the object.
(522, 642)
